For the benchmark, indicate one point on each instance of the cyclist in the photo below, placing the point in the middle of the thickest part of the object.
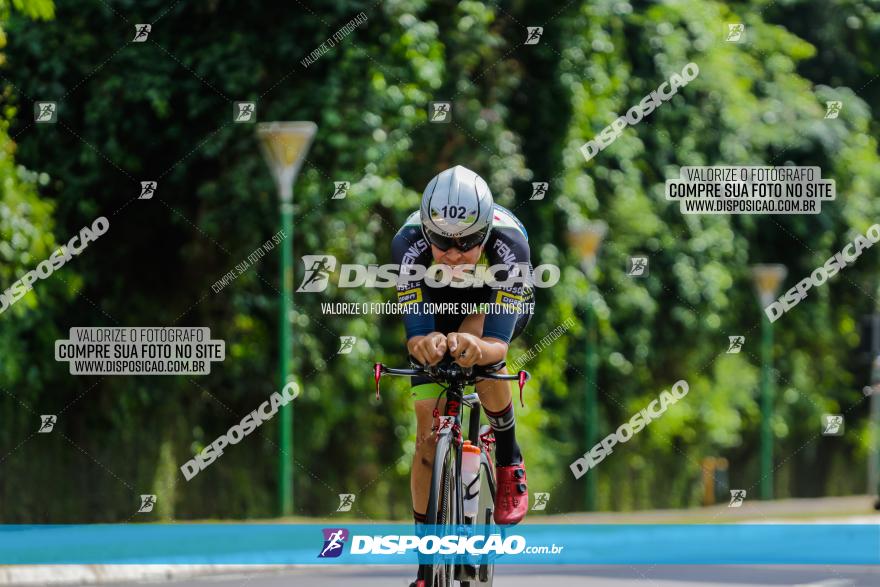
(459, 225)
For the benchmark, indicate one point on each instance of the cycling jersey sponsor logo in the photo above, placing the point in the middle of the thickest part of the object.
(413, 252)
(509, 299)
(410, 296)
(505, 252)
(334, 542)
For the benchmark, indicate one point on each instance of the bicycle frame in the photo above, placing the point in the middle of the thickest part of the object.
(448, 429)
(455, 378)
(452, 418)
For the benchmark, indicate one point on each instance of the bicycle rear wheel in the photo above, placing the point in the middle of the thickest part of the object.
(443, 507)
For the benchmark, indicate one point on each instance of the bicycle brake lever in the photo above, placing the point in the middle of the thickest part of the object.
(377, 374)
(523, 377)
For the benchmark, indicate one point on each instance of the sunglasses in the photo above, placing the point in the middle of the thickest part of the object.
(462, 243)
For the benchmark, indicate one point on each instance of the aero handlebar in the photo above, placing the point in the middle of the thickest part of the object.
(448, 373)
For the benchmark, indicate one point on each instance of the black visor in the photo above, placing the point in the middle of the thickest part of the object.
(462, 243)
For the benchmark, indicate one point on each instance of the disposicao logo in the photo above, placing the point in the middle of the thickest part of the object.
(334, 540)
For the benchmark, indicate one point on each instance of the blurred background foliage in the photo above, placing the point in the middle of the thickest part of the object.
(161, 110)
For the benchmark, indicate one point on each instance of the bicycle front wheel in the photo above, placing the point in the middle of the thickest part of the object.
(443, 506)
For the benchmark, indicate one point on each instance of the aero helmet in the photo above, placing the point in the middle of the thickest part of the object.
(457, 210)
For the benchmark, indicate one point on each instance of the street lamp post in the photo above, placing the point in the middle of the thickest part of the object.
(874, 418)
(284, 146)
(767, 280)
(586, 239)
(871, 343)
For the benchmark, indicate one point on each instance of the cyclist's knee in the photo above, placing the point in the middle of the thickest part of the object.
(424, 438)
(425, 448)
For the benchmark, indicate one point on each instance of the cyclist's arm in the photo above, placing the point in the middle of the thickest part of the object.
(491, 350)
(509, 297)
(410, 248)
(428, 349)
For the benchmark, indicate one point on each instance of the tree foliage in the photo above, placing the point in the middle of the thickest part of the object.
(161, 110)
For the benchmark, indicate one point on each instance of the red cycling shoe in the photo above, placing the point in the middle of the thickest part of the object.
(512, 497)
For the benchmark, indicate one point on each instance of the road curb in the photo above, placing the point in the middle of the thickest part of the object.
(94, 574)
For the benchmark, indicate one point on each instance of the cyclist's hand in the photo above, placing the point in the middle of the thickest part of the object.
(464, 348)
(428, 349)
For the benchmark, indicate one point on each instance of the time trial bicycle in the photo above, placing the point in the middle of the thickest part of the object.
(448, 491)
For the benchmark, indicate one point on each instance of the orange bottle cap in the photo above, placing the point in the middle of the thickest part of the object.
(468, 447)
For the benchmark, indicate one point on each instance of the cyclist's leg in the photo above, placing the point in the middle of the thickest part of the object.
(424, 395)
(423, 457)
(512, 498)
(496, 401)
(496, 398)
(494, 394)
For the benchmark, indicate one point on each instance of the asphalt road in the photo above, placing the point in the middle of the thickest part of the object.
(522, 576)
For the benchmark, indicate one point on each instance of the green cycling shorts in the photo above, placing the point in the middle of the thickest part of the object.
(430, 391)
